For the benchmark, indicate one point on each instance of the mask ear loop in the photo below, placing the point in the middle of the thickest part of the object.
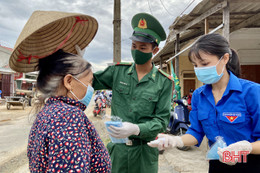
(223, 65)
(80, 81)
(74, 95)
(82, 84)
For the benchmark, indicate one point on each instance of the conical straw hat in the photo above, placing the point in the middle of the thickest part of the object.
(47, 31)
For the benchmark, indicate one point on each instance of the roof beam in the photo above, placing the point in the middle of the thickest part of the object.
(226, 21)
(246, 22)
(183, 50)
(211, 11)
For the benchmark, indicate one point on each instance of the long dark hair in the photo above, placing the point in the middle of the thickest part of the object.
(215, 44)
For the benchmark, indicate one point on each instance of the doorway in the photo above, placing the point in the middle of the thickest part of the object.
(188, 84)
(251, 72)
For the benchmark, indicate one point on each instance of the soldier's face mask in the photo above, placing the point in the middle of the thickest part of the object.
(141, 57)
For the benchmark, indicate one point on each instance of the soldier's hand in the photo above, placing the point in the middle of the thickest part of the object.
(126, 130)
(79, 51)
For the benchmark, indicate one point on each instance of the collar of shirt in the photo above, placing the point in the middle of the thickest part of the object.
(66, 100)
(151, 75)
(233, 84)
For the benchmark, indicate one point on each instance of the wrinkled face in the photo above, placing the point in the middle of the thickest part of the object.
(77, 87)
(142, 46)
(208, 60)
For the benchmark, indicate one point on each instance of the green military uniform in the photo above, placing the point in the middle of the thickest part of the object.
(146, 103)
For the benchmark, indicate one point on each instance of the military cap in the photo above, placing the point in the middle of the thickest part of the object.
(147, 29)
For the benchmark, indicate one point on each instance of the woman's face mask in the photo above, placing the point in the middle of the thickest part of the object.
(88, 95)
(209, 75)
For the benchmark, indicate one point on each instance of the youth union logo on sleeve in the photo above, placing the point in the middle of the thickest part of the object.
(231, 116)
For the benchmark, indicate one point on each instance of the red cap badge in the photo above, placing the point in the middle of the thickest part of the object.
(142, 24)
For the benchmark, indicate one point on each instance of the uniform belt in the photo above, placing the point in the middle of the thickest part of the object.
(134, 142)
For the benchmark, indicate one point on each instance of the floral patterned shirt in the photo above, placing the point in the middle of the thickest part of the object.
(62, 139)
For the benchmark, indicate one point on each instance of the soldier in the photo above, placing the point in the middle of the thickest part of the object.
(141, 98)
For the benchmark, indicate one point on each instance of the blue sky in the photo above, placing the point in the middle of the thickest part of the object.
(15, 13)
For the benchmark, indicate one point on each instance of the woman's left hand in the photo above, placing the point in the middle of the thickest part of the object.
(238, 148)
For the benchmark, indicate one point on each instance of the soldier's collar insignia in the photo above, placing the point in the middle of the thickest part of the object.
(130, 71)
(153, 76)
(142, 24)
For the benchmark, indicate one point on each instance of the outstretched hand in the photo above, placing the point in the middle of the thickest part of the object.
(244, 146)
(166, 141)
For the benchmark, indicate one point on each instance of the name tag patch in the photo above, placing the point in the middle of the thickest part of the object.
(231, 116)
(123, 83)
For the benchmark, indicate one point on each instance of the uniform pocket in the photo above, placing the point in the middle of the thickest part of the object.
(148, 102)
(123, 89)
(110, 147)
(121, 96)
(235, 119)
(151, 153)
(149, 97)
(208, 123)
(203, 115)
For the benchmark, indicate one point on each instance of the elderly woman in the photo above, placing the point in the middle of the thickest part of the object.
(62, 139)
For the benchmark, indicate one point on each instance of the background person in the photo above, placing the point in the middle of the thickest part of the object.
(190, 96)
(226, 106)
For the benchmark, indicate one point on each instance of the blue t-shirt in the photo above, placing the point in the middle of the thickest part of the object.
(235, 117)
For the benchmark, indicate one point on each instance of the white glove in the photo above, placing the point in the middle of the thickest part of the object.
(166, 141)
(238, 146)
(79, 51)
(126, 130)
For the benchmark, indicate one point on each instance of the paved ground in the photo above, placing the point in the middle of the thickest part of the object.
(14, 130)
(15, 127)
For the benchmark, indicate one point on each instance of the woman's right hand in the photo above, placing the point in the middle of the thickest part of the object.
(166, 141)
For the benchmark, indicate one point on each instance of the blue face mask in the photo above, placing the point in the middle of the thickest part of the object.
(208, 75)
(86, 99)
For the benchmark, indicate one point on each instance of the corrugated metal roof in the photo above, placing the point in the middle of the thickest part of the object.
(240, 10)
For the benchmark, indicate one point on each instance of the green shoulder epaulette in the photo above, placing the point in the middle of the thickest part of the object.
(123, 63)
(166, 75)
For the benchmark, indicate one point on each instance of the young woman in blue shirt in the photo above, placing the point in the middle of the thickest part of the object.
(226, 106)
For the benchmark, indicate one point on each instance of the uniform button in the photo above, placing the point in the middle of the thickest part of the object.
(134, 98)
(130, 110)
(150, 98)
(137, 85)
